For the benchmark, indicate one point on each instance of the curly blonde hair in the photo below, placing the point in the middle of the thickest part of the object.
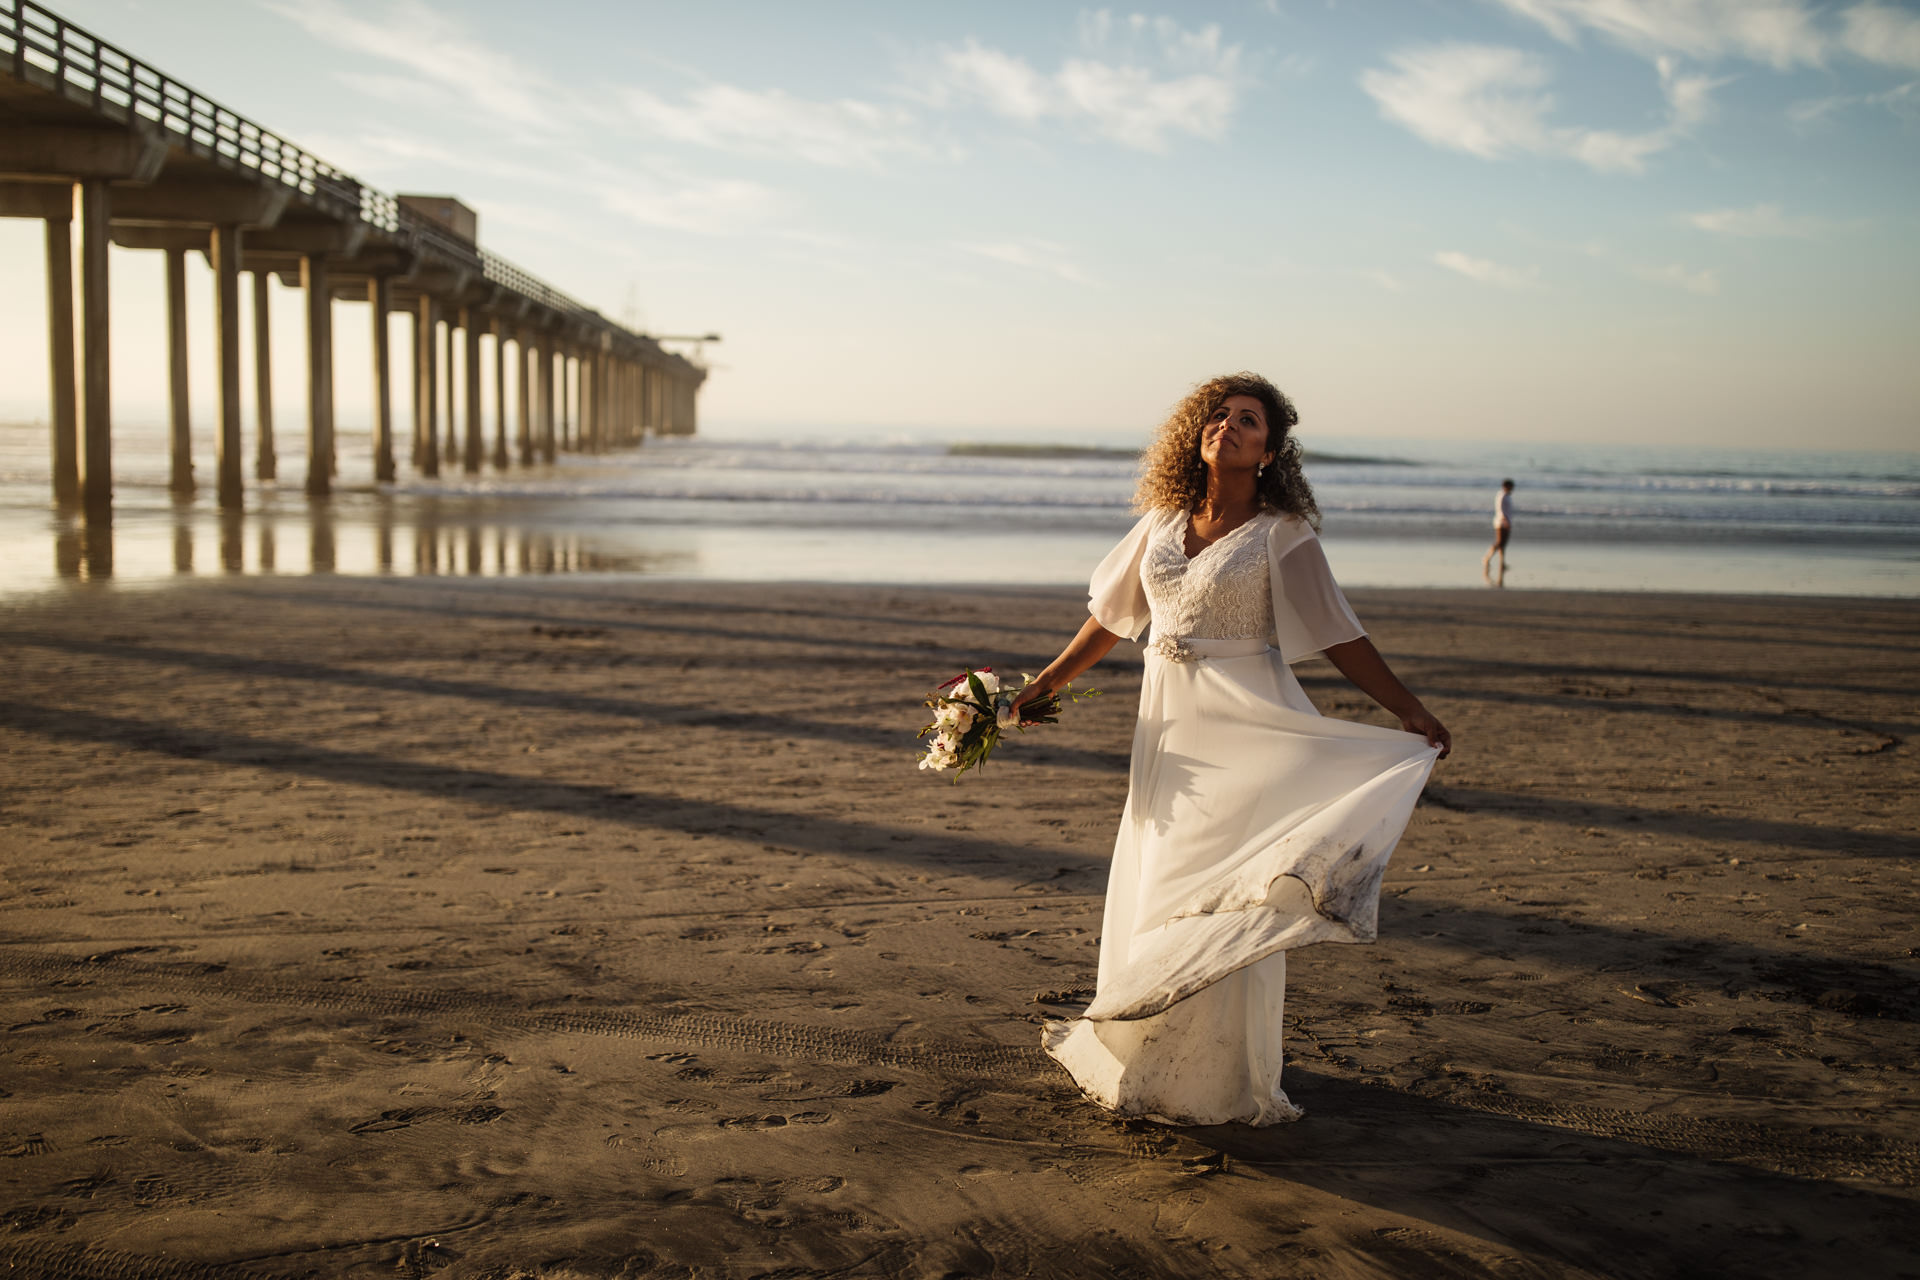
(1172, 476)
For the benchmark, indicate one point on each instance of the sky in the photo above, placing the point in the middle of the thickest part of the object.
(1633, 221)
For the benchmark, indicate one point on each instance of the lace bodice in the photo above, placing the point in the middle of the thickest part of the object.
(1268, 578)
(1223, 593)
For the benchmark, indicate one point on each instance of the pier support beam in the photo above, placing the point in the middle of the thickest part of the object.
(223, 251)
(547, 443)
(266, 462)
(413, 363)
(426, 386)
(499, 328)
(313, 279)
(589, 427)
(476, 430)
(450, 448)
(523, 378)
(602, 400)
(179, 402)
(96, 381)
(379, 293)
(66, 417)
(629, 402)
(616, 404)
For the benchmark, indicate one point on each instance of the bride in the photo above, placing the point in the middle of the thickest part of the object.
(1253, 824)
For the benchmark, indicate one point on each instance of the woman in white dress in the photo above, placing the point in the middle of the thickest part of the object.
(1253, 824)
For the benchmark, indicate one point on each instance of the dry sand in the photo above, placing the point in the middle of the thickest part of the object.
(580, 928)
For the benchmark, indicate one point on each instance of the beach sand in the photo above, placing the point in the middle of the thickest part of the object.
(580, 928)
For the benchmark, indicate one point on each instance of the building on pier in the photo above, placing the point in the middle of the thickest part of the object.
(108, 150)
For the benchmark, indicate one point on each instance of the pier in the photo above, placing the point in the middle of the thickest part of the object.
(107, 150)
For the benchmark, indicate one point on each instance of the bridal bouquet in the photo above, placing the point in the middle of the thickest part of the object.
(972, 710)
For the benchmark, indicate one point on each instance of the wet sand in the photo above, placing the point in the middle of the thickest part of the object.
(578, 928)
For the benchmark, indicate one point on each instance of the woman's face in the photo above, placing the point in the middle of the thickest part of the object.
(1235, 436)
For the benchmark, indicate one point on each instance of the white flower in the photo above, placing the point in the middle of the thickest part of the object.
(989, 681)
(1173, 649)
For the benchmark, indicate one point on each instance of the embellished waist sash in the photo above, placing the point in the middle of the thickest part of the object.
(1200, 648)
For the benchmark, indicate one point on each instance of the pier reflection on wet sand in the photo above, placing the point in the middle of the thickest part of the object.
(417, 541)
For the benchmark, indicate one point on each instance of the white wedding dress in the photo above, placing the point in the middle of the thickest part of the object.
(1253, 823)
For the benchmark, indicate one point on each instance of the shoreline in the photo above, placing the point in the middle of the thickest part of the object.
(612, 921)
(161, 546)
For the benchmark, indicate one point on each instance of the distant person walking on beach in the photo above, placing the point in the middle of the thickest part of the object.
(1502, 530)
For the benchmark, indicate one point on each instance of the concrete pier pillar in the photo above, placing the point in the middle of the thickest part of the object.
(266, 462)
(548, 446)
(179, 404)
(379, 295)
(476, 437)
(426, 409)
(616, 403)
(629, 403)
(499, 395)
(64, 398)
(602, 401)
(593, 417)
(413, 399)
(610, 405)
(566, 396)
(450, 446)
(313, 279)
(96, 382)
(223, 251)
(577, 388)
(523, 376)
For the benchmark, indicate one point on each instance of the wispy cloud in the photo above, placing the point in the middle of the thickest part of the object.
(1902, 100)
(1782, 34)
(843, 133)
(1490, 101)
(1485, 272)
(1779, 33)
(450, 65)
(1761, 222)
(1042, 256)
(709, 206)
(1693, 280)
(1140, 82)
(1882, 34)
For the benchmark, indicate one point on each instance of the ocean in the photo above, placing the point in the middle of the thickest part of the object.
(1397, 513)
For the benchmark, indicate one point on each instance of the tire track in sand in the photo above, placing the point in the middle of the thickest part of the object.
(698, 1030)
(1808, 1155)
(79, 1262)
(1801, 1154)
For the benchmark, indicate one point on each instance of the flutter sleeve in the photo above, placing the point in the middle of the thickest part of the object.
(1117, 600)
(1309, 612)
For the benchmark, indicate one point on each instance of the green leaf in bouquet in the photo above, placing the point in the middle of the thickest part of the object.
(979, 691)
